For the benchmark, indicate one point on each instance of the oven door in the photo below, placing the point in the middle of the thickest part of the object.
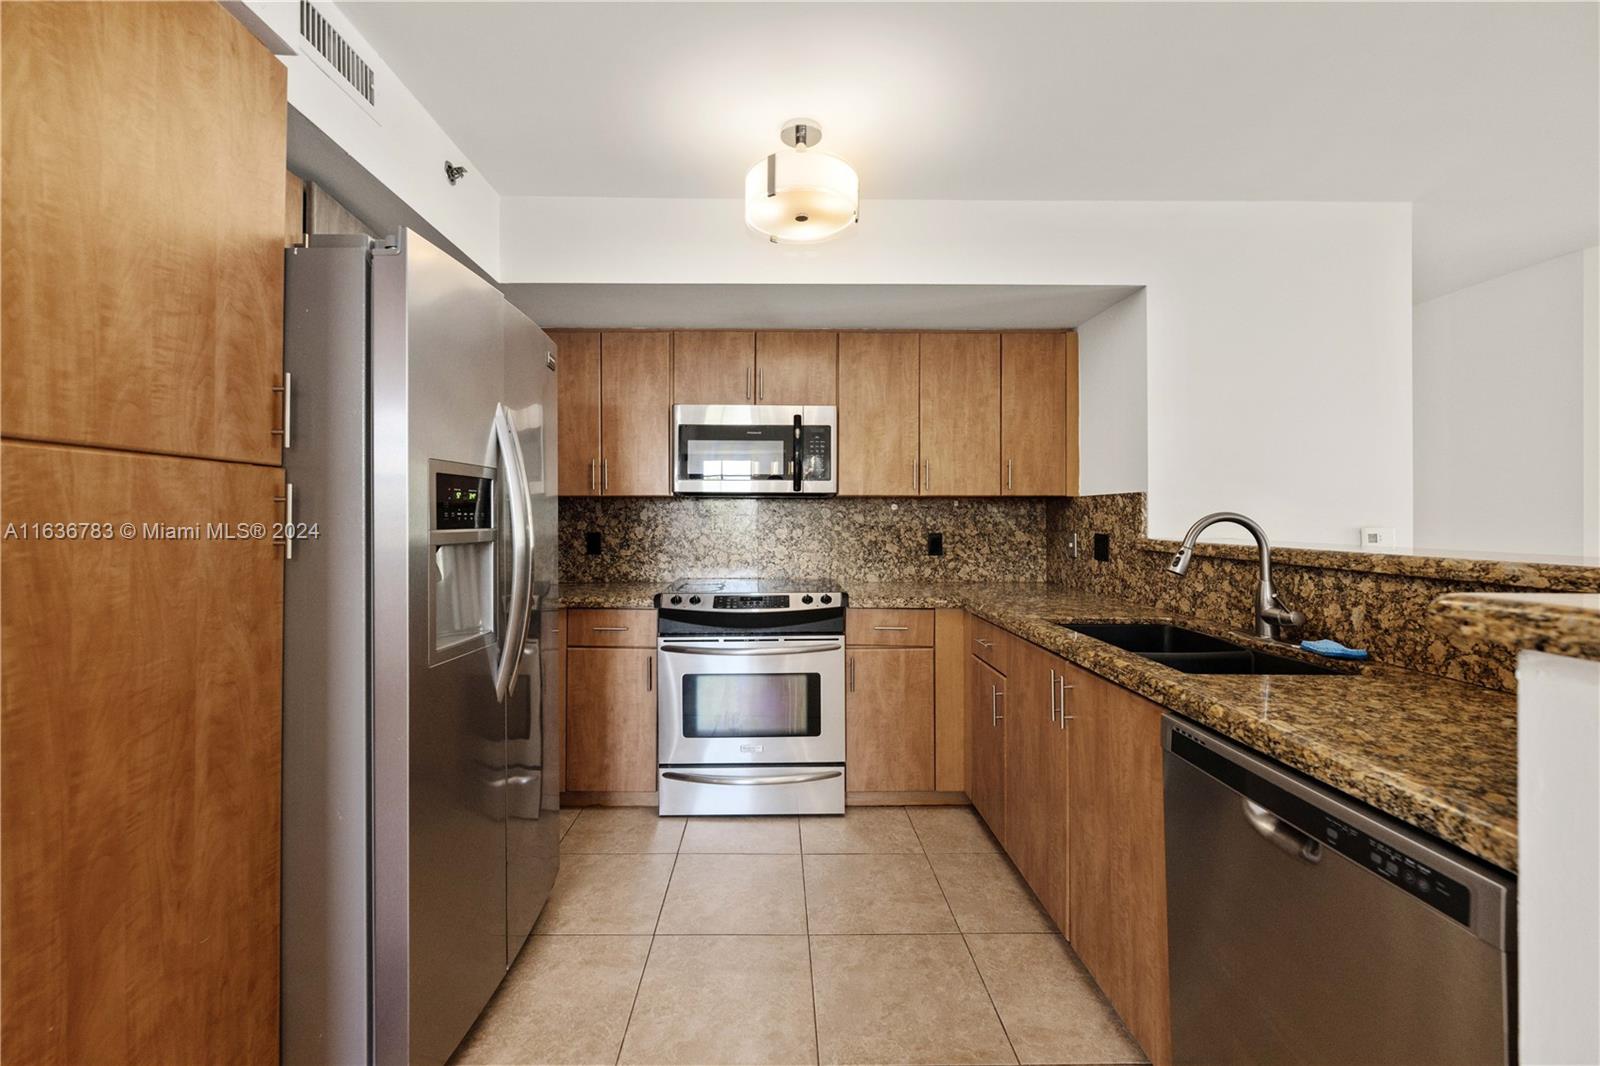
(746, 701)
(753, 450)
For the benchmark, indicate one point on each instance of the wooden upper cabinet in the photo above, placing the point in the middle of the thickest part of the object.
(797, 368)
(1036, 420)
(960, 408)
(878, 397)
(140, 734)
(714, 366)
(578, 406)
(142, 169)
(635, 414)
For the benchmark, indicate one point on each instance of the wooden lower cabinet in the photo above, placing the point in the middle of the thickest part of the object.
(1036, 777)
(611, 718)
(986, 747)
(141, 734)
(1118, 871)
(889, 719)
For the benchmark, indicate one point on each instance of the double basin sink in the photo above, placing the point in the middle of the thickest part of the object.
(1194, 652)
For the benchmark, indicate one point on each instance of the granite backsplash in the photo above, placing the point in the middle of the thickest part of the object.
(855, 539)
(1362, 604)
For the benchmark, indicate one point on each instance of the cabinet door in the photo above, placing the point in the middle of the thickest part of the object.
(878, 398)
(1053, 888)
(713, 366)
(797, 368)
(578, 412)
(986, 753)
(140, 732)
(889, 719)
(611, 719)
(1034, 420)
(1029, 728)
(635, 414)
(143, 227)
(960, 414)
(1118, 870)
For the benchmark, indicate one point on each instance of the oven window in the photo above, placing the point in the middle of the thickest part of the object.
(735, 460)
(752, 705)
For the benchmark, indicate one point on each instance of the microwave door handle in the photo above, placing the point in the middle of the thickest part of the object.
(505, 674)
(799, 458)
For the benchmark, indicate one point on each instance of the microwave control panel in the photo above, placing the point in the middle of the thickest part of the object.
(816, 453)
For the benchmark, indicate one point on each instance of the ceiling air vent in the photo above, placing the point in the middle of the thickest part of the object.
(332, 47)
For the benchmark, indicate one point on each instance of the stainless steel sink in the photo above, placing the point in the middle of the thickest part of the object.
(1194, 652)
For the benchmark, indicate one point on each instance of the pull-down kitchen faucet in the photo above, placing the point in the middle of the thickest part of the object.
(1271, 614)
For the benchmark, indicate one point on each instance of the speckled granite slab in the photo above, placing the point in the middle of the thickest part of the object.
(1554, 622)
(1434, 753)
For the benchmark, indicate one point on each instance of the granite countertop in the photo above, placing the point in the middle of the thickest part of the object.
(1554, 622)
(1437, 754)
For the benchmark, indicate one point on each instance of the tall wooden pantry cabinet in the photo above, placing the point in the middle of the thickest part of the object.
(143, 184)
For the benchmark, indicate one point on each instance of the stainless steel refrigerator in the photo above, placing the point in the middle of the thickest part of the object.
(420, 768)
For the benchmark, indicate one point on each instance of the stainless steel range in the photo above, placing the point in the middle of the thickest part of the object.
(751, 700)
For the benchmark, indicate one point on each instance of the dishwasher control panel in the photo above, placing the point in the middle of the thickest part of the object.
(1437, 890)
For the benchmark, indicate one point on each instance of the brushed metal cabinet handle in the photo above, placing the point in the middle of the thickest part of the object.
(1052, 695)
(609, 629)
(747, 383)
(594, 477)
(760, 393)
(927, 475)
(650, 674)
(287, 388)
(605, 476)
(994, 706)
(983, 643)
(1008, 474)
(1065, 717)
(892, 629)
(852, 673)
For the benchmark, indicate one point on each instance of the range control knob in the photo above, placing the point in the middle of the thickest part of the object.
(677, 599)
(694, 599)
(826, 598)
(806, 598)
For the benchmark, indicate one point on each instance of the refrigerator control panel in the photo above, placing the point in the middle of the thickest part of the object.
(462, 502)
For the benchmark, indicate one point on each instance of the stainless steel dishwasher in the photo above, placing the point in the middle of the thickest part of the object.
(1307, 929)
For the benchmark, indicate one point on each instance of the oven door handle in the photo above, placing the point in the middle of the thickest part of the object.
(781, 649)
(770, 779)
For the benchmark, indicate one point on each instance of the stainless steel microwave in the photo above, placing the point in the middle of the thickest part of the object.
(754, 450)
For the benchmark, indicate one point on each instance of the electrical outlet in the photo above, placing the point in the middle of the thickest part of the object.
(935, 543)
(591, 542)
(1378, 537)
(1072, 545)
(1102, 547)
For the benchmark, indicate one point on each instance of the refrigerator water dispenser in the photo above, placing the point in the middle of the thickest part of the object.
(461, 577)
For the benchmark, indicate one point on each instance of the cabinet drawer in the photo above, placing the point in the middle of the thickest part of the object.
(889, 629)
(609, 628)
(988, 642)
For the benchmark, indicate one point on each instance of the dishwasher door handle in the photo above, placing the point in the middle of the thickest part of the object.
(1281, 834)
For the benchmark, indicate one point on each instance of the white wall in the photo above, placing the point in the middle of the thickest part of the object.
(401, 145)
(1274, 330)
(1504, 460)
(1558, 858)
(1113, 424)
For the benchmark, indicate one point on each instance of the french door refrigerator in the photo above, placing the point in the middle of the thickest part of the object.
(420, 776)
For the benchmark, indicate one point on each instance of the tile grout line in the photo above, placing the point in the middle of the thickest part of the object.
(633, 1006)
(811, 965)
(968, 948)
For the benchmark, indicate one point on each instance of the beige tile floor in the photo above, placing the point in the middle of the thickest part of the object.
(890, 935)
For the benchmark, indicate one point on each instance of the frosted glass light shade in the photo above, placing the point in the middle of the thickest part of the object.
(814, 197)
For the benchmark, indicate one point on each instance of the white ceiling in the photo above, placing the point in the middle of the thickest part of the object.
(1485, 116)
(815, 306)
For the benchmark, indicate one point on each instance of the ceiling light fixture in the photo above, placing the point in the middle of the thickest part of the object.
(800, 195)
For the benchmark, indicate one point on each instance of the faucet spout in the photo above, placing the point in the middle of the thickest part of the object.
(1271, 613)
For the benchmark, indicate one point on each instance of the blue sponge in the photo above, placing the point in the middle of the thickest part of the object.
(1333, 649)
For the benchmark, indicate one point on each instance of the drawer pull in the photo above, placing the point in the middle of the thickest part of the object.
(892, 629)
(983, 643)
(609, 629)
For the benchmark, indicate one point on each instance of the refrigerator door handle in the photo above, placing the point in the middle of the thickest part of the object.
(505, 679)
